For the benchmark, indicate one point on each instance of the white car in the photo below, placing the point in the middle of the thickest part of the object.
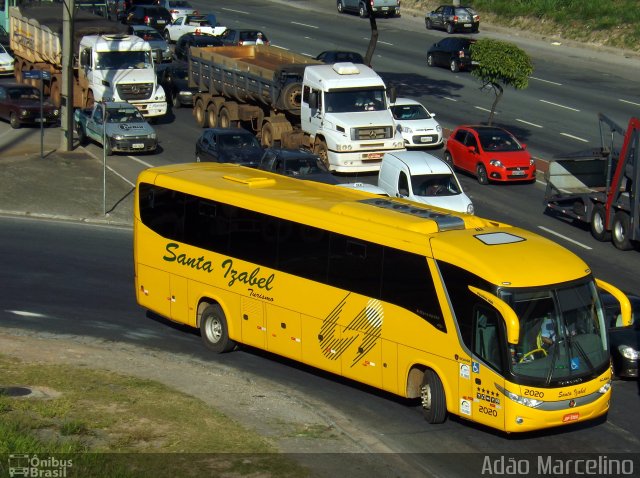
(418, 127)
(6, 62)
(184, 24)
(177, 7)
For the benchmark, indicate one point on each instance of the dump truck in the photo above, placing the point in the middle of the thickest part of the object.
(339, 111)
(109, 64)
(600, 187)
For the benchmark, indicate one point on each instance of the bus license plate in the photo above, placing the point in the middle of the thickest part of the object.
(137, 145)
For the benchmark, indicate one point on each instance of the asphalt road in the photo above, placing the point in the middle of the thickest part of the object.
(83, 276)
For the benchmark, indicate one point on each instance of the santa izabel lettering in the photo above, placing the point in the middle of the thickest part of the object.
(250, 278)
(198, 263)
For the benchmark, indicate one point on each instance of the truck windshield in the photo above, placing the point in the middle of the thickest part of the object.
(562, 331)
(124, 115)
(352, 100)
(122, 60)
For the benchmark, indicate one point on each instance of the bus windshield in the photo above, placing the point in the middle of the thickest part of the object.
(562, 331)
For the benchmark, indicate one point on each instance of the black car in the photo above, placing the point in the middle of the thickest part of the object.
(453, 53)
(453, 19)
(186, 41)
(623, 341)
(174, 79)
(149, 15)
(296, 163)
(337, 56)
(119, 8)
(236, 37)
(229, 145)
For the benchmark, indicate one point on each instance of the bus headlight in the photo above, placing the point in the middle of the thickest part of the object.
(526, 401)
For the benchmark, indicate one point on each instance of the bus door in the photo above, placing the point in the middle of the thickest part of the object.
(481, 399)
(254, 330)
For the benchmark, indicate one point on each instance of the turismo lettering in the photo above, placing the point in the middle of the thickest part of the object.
(251, 278)
(195, 263)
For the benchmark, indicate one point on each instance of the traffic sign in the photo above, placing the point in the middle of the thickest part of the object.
(36, 75)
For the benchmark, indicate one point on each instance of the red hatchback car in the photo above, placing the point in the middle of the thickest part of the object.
(492, 154)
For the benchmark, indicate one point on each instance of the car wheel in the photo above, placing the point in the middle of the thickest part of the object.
(430, 60)
(432, 398)
(450, 28)
(454, 66)
(82, 136)
(481, 174)
(108, 150)
(428, 23)
(340, 7)
(448, 159)
(363, 11)
(167, 36)
(621, 228)
(597, 224)
(14, 121)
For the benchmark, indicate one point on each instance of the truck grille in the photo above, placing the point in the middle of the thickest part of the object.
(135, 91)
(372, 133)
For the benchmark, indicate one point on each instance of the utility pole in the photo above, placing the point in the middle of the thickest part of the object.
(68, 11)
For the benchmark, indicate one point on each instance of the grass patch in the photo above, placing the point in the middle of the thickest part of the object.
(115, 425)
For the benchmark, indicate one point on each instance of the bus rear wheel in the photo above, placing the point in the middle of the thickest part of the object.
(214, 330)
(434, 404)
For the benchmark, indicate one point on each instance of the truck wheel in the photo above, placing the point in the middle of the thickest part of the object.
(199, 112)
(90, 100)
(214, 330)
(266, 135)
(434, 404)
(292, 97)
(212, 115)
(321, 150)
(224, 120)
(14, 121)
(598, 221)
(621, 229)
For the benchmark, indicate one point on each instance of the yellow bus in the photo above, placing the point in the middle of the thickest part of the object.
(448, 308)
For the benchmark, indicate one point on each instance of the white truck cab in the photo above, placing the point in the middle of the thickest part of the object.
(120, 68)
(421, 177)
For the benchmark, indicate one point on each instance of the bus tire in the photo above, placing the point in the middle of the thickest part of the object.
(597, 224)
(433, 400)
(214, 330)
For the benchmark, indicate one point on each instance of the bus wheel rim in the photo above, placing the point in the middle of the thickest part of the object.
(426, 397)
(214, 330)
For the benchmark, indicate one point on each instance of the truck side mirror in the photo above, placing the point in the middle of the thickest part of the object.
(84, 58)
(313, 100)
(393, 94)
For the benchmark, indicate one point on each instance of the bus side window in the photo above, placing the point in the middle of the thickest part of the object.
(486, 336)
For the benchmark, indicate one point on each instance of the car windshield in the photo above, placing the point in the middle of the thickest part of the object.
(121, 60)
(124, 115)
(179, 4)
(352, 100)
(302, 166)
(435, 185)
(410, 112)
(23, 94)
(498, 140)
(238, 141)
(562, 331)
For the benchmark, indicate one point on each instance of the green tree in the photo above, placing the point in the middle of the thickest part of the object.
(500, 64)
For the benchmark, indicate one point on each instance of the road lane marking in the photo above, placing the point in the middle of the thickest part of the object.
(447, 98)
(526, 122)
(564, 237)
(24, 313)
(484, 109)
(235, 11)
(630, 102)
(546, 81)
(559, 106)
(305, 25)
(575, 137)
(385, 42)
(121, 176)
(144, 163)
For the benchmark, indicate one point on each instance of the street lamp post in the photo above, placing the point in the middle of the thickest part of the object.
(66, 107)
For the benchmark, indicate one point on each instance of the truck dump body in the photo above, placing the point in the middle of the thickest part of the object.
(268, 75)
(36, 31)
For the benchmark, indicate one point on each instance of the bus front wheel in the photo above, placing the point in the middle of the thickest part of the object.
(214, 330)
(434, 405)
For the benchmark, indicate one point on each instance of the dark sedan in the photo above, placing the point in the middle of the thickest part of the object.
(20, 105)
(453, 52)
(624, 341)
(296, 163)
(337, 56)
(186, 41)
(149, 15)
(453, 18)
(235, 37)
(174, 79)
(229, 145)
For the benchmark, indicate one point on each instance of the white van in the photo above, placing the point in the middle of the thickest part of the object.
(421, 177)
